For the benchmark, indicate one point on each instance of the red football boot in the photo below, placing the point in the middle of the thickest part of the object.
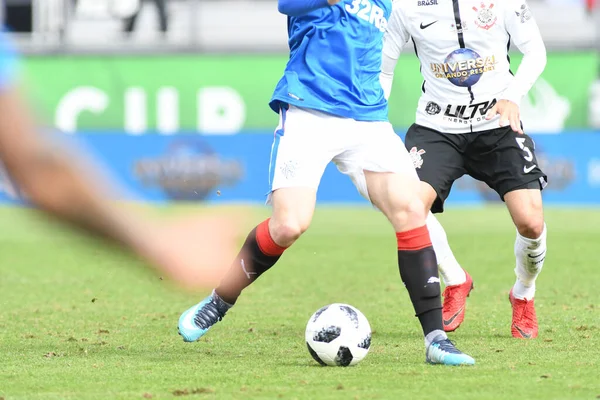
(455, 301)
(524, 321)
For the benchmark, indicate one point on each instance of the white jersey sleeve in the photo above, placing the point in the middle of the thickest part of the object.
(525, 34)
(394, 40)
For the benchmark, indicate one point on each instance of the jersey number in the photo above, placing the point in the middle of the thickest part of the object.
(528, 156)
(368, 12)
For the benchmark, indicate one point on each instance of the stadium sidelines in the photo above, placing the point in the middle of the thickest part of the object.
(234, 168)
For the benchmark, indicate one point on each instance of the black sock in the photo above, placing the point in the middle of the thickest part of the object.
(258, 254)
(430, 320)
(419, 272)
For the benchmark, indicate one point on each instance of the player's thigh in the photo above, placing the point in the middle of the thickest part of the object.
(396, 195)
(300, 150)
(438, 160)
(505, 160)
(382, 171)
(372, 146)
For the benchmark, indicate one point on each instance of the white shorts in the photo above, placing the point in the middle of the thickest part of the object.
(307, 140)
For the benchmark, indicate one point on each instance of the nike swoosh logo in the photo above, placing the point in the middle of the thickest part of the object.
(188, 323)
(529, 169)
(428, 25)
(536, 256)
(449, 321)
(525, 335)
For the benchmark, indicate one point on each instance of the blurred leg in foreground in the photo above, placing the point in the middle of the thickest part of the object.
(194, 251)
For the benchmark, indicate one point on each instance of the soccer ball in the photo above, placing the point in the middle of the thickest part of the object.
(338, 334)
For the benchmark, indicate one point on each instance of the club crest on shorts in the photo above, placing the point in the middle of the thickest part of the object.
(288, 169)
(415, 156)
(486, 18)
(433, 108)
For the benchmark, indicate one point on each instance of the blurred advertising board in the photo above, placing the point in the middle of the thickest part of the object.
(234, 169)
(228, 94)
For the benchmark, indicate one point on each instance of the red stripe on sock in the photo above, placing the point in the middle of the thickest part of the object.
(415, 239)
(265, 241)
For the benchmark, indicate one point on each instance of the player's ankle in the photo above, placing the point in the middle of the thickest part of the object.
(523, 291)
(451, 271)
(435, 335)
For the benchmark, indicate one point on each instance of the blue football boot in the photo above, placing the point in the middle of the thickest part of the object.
(195, 322)
(441, 350)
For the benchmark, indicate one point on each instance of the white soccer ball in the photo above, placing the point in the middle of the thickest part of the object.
(338, 334)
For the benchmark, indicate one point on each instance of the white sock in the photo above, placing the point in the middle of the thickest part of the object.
(437, 334)
(450, 270)
(530, 255)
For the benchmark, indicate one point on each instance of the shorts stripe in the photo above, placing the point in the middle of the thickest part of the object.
(276, 139)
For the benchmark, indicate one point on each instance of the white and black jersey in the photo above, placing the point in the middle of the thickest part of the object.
(463, 49)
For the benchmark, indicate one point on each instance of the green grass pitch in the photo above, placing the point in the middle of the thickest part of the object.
(77, 323)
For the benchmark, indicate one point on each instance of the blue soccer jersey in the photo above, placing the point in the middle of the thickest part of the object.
(335, 59)
(8, 62)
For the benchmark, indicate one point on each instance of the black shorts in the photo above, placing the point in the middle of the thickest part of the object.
(502, 158)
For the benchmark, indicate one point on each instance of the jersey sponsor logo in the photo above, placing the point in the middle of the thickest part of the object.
(424, 26)
(486, 17)
(369, 12)
(524, 14)
(433, 108)
(415, 156)
(468, 113)
(427, 3)
(463, 67)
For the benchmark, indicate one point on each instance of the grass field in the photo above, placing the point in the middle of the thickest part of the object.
(77, 323)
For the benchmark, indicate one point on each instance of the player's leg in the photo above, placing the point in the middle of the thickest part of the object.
(295, 172)
(293, 208)
(438, 161)
(513, 172)
(382, 171)
(525, 207)
(450, 270)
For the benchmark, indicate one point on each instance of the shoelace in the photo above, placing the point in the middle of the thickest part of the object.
(208, 315)
(526, 310)
(449, 297)
(447, 346)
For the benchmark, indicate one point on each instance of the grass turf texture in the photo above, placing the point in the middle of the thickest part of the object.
(77, 323)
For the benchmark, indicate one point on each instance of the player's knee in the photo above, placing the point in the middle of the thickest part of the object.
(409, 213)
(531, 227)
(530, 223)
(287, 230)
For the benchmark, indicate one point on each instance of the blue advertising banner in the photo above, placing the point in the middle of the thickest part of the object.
(191, 167)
